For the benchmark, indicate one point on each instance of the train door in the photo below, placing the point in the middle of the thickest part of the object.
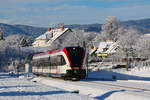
(53, 65)
(61, 64)
(49, 66)
(55, 69)
(57, 65)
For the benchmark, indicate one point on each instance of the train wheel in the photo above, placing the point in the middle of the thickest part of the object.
(75, 79)
(65, 78)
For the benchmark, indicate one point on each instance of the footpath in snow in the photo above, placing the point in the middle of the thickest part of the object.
(12, 88)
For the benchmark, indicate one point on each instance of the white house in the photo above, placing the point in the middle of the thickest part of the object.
(104, 48)
(107, 47)
(50, 36)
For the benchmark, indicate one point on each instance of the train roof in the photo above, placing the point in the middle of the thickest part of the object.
(48, 52)
(54, 51)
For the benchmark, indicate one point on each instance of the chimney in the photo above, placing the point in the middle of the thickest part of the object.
(62, 28)
(49, 29)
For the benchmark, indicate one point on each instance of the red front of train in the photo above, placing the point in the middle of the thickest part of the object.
(76, 60)
(67, 63)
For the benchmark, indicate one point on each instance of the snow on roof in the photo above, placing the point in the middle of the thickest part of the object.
(147, 35)
(43, 36)
(103, 45)
(53, 32)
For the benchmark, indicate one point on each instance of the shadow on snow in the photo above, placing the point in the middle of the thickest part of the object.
(104, 75)
(105, 95)
(25, 93)
(7, 75)
(16, 86)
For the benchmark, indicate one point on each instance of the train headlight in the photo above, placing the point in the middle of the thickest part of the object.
(75, 71)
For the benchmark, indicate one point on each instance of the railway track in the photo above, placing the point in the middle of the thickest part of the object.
(116, 85)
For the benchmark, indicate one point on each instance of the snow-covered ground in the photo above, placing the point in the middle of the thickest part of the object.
(140, 71)
(13, 88)
(136, 74)
(100, 85)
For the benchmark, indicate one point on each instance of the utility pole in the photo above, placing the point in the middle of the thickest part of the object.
(1, 34)
(86, 57)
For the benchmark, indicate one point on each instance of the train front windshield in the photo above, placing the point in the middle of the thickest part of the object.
(76, 56)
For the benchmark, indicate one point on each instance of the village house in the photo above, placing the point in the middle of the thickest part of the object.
(50, 36)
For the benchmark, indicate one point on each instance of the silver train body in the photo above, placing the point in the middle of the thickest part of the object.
(66, 63)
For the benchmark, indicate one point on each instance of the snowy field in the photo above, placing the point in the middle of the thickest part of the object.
(100, 85)
(127, 85)
(12, 88)
(136, 74)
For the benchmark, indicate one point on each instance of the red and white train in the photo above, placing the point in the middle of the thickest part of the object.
(66, 63)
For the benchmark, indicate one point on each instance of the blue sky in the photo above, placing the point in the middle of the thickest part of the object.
(47, 13)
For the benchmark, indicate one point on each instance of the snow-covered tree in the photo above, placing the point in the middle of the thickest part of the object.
(17, 40)
(10, 49)
(143, 46)
(129, 38)
(127, 43)
(74, 38)
(111, 29)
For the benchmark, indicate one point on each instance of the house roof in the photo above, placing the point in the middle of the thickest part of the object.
(110, 45)
(147, 35)
(47, 34)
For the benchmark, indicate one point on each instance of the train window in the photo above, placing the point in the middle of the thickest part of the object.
(63, 62)
(57, 60)
(52, 61)
(44, 62)
(35, 62)
(76, 56)
(60, 60)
